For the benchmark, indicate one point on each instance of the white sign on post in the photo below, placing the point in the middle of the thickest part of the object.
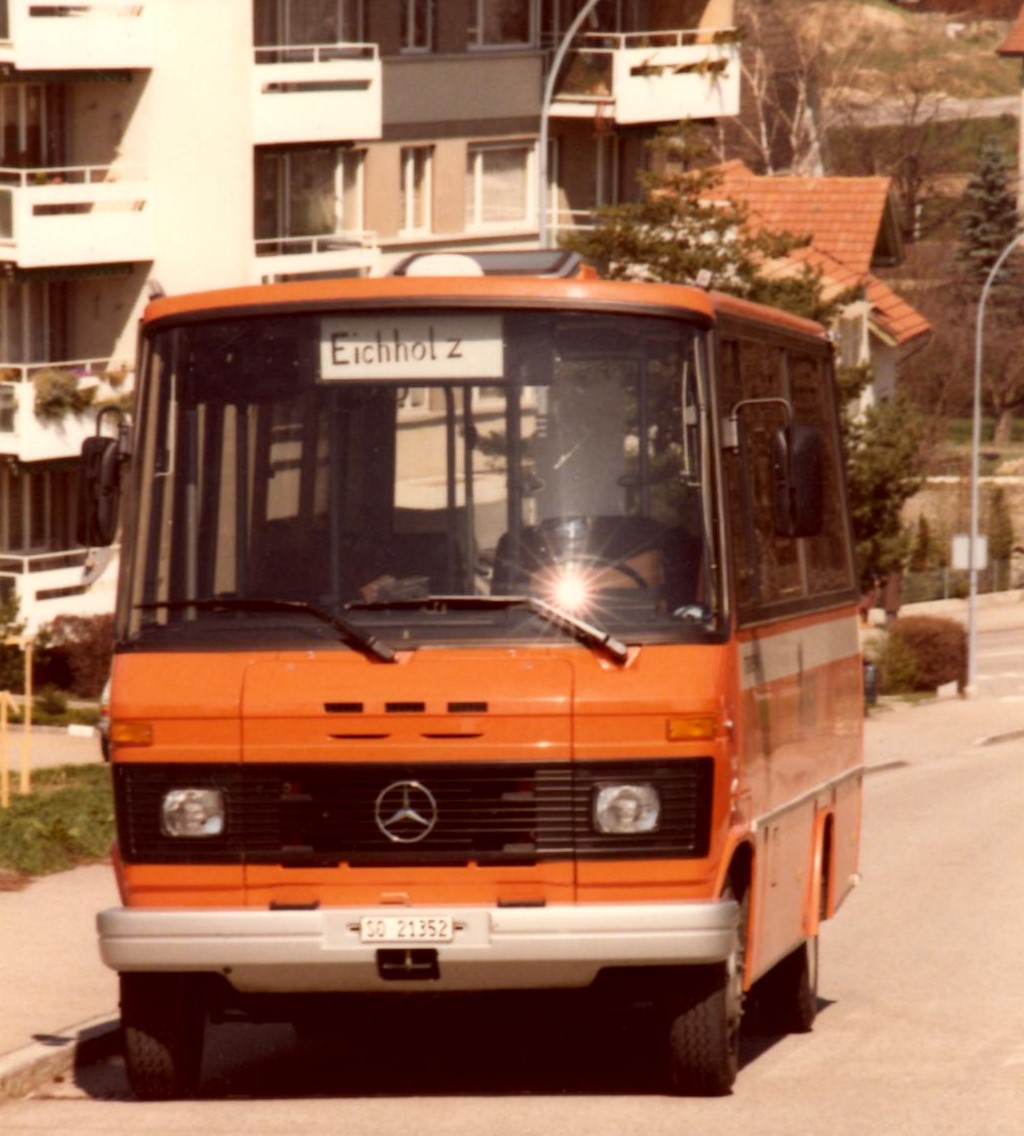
(962, 552)
(406, 348)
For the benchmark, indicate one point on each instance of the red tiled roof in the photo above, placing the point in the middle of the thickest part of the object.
(843, 215)
(1014, 42)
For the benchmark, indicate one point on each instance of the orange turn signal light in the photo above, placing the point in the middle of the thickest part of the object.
(131, 733)
(692, 728)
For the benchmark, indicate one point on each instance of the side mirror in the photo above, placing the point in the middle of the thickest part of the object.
(797, 463)
(99, 491)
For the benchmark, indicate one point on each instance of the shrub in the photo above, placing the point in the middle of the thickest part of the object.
(50, 702)
(58, 394)
(924, 652)
(79, 646)
(897, 667)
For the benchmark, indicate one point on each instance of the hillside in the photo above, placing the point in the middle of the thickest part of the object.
(875, 50)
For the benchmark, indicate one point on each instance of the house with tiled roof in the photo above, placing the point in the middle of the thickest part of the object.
(851, 230)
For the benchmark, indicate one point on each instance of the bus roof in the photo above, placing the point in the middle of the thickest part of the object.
(585, 290)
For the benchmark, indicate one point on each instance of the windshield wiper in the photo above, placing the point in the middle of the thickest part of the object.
(351, 634)
(579, 628)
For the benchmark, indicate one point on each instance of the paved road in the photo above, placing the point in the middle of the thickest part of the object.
(893, 112)
(1001, 665)
(49, 746)
(921, 1029)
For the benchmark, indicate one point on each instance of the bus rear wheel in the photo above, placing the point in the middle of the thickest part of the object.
(704, 1032)
(163, 1019)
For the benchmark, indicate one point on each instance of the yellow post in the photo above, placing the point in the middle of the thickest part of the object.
(26, 738)
(25, 643)
(5, 772)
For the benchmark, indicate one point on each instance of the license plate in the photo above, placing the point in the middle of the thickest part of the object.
(406, 929)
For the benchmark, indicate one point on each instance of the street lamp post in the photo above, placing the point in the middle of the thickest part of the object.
(545, 118)
(972, 555)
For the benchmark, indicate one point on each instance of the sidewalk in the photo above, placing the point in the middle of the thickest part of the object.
(55, 990)
(57, 994)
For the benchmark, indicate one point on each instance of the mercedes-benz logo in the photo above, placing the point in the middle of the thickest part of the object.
(406, 812)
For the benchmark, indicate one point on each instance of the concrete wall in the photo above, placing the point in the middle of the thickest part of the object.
(193, 130)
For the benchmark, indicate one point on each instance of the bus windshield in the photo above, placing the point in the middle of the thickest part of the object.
(421, 476)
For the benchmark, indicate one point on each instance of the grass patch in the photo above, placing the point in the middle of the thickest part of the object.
(67, 819)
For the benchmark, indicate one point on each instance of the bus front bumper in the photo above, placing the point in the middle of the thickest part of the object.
(496, 948)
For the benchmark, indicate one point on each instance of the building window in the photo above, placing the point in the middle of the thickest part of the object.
(307, 192)
(8, 407)
(418, 25)
(307, 22)
(499, 185)
(31, 130)
(501, 23)
(417, 162)
(33, 322)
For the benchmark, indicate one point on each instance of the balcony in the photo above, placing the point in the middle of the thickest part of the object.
(351, 253)
(75, 215)
(44, 583)
(45, 35)
(47, 409)
(319, 93)
(651, 77)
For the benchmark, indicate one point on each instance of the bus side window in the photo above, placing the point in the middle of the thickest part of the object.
(828, 554)
(766, 567)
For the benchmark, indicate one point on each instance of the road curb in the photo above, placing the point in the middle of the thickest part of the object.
(998, 739)
(57, 1055)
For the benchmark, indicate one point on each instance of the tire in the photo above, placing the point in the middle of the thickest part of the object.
(785, 1000)
(704, 1033)
(163, 1019)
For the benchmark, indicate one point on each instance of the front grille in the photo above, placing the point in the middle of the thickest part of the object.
(488, 814)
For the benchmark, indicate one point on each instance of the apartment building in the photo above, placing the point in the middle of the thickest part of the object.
(190, 144)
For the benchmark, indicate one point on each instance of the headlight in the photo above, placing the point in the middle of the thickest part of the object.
(627, 809)
(192, 813)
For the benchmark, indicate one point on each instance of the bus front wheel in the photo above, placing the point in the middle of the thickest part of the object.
(704, 1032)
(163, 1019)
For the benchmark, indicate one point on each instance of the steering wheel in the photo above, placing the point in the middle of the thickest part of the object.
(592, 560)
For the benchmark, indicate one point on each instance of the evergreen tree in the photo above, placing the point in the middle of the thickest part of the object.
(989, 215)
(12, 660)
(989, 223)
(882, 448)
(921, 552)
(1000, 526)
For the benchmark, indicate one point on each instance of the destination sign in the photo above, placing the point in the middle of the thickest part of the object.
(411, 348)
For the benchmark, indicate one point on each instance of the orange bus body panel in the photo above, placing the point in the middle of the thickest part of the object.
(771, 712)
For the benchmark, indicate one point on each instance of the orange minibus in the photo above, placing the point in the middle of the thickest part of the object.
(485, 626)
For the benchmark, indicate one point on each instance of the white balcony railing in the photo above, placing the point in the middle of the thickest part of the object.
(32, 432)
(46, 35)
(318, 93)
(651, 77)
(72, 215)
(350, 252)
(45, 582)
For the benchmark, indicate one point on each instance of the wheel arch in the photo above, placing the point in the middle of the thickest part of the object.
(819, 902)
